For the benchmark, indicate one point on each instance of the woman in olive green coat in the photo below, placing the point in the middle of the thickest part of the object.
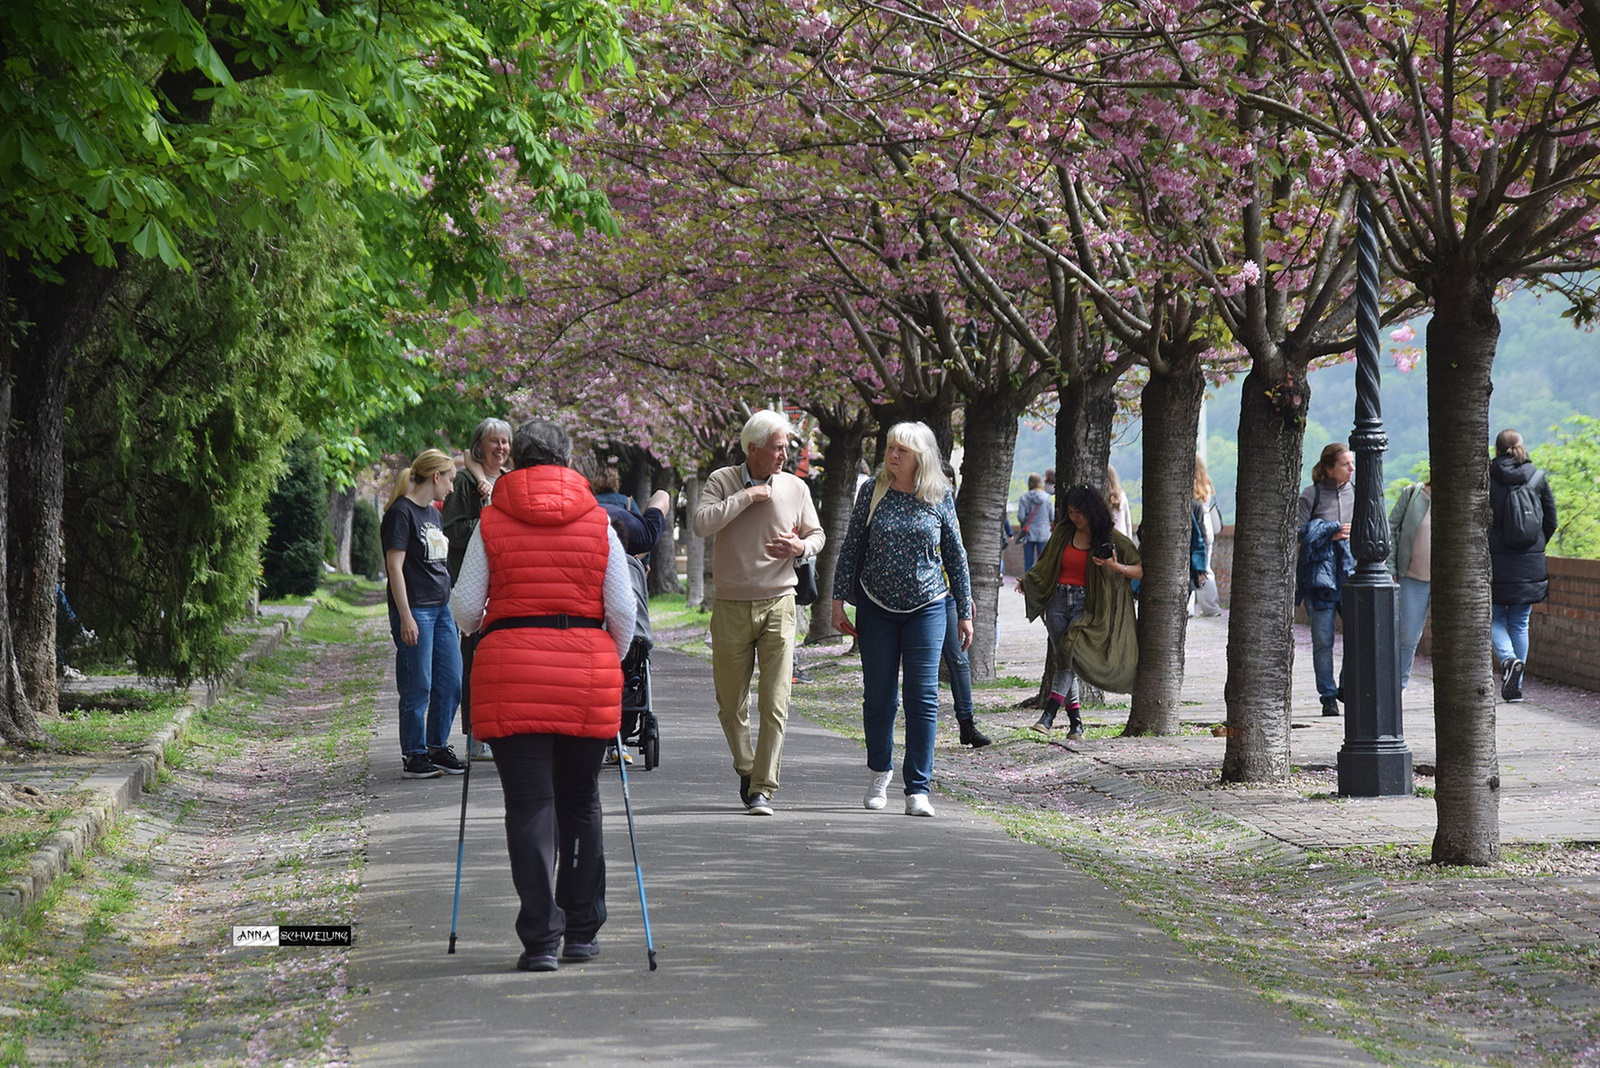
(1082, 585)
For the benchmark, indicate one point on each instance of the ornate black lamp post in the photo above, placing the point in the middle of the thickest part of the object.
(1374, 761)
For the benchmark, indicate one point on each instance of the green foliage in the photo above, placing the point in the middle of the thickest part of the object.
(178, 412)
(1571, 462)
(366, 548)
(297, 517)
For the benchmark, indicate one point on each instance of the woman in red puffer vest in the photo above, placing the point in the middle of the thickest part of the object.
(547, 581)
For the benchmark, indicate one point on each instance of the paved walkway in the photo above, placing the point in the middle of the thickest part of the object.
(826, 934)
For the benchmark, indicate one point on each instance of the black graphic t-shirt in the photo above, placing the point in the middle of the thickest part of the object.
(419, 532)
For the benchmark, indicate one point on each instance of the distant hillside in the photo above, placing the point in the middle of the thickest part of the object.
(1545, 370)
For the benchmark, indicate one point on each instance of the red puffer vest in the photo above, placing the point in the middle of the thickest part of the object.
(545, 539)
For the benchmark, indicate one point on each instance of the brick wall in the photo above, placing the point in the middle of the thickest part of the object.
(1563, 633)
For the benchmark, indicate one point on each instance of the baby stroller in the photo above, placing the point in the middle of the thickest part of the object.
(639, 727)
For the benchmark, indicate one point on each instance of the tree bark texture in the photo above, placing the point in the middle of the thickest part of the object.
(1171, 409)
(341, 512)
(991, 445)
(59, 314)
(1461, 343)
(1261, 610)
(695, 546)
(843, 434)
(18, 723)
(664, 554)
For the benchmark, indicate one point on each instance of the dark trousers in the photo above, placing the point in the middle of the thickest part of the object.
(469, 646)
(551, 784)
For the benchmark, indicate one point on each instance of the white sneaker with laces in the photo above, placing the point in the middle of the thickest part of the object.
(918, 805)
(878, 790)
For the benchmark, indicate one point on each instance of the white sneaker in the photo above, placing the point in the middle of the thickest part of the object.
(878, 790)
(918, 805)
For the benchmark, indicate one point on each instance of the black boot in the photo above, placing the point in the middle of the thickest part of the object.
(1075, 728)
(1047, 718)
(971, 735)
(1330, 706)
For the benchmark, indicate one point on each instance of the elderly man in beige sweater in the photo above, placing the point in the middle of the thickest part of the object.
(763, 519)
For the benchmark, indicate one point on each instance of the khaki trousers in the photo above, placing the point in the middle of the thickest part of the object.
(742, 632)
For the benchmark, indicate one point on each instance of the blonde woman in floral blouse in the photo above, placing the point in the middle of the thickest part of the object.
(901, 559)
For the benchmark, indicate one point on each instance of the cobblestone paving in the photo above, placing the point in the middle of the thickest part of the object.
(133, 962)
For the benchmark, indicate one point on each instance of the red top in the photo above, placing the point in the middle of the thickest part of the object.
(1074, 566)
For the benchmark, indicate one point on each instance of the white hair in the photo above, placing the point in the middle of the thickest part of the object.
(932, 486)
(760, 427)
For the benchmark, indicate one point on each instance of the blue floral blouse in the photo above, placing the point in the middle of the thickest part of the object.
(912, 548)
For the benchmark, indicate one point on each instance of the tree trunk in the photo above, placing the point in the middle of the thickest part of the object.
(695, 546)
(664, 554)
(341, 512)
(18, 723)
(1261, 615)
(1461, 342)
(1171, 409)
(841, 450)
(59, 314)
(991, 446)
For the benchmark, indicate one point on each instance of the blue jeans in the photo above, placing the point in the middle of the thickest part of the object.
(1509, 630)
(1414, 597)
(956, 663)
(1063, 608)
(428, 676)
(1321, 620)
(892, 642)
(1030, 553)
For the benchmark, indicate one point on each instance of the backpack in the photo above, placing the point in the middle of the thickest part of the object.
(1522, 516)
(1198, 564)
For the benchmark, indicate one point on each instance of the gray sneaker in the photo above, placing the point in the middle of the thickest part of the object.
(760, 805)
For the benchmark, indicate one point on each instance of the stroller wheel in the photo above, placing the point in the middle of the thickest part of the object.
(652, 751)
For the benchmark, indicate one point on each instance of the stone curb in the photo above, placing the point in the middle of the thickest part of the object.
(115, 788)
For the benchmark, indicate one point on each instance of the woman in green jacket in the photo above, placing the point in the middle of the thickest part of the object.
(1082, 585)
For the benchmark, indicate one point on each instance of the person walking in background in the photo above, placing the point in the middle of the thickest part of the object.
(607, 487)
(427, 660)
(957, 665)
(1322, 519)
(1117, 501)
(1036, 514)
(545, 582)
(1206, 513)
(1411, 564)
(1524, 517)
(902, 560)
(763, 519)
(488, 455)
(1082, 585)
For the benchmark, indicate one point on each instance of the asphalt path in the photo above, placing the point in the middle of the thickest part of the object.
(826, 934)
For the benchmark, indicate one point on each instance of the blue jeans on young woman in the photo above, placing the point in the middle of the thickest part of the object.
(1322, 631)
(956, 662)
(1508, 628)
(893, 643)
(1414, 597)
(428, 676)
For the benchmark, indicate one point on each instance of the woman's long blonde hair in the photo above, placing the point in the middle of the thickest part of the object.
(1203, 489)
(1113, 490)
(429, 462)
(932, 486)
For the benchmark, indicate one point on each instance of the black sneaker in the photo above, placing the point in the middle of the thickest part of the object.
(744, 790)
(1513, 687)
(578, 952)
(418, 766)
(537, 962)
(445, 759)
(1330, 706)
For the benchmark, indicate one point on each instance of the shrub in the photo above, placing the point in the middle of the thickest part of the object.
(297, 517)
(366, 548)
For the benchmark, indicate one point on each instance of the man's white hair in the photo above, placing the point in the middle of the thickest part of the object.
(760, 427)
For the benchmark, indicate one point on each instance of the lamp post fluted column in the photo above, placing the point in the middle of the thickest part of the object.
(1374, 761)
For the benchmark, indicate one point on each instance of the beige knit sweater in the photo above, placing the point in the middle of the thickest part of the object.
(741, 565)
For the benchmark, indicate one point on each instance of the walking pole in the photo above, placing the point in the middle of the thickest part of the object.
(461, 841)
(633, 839)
